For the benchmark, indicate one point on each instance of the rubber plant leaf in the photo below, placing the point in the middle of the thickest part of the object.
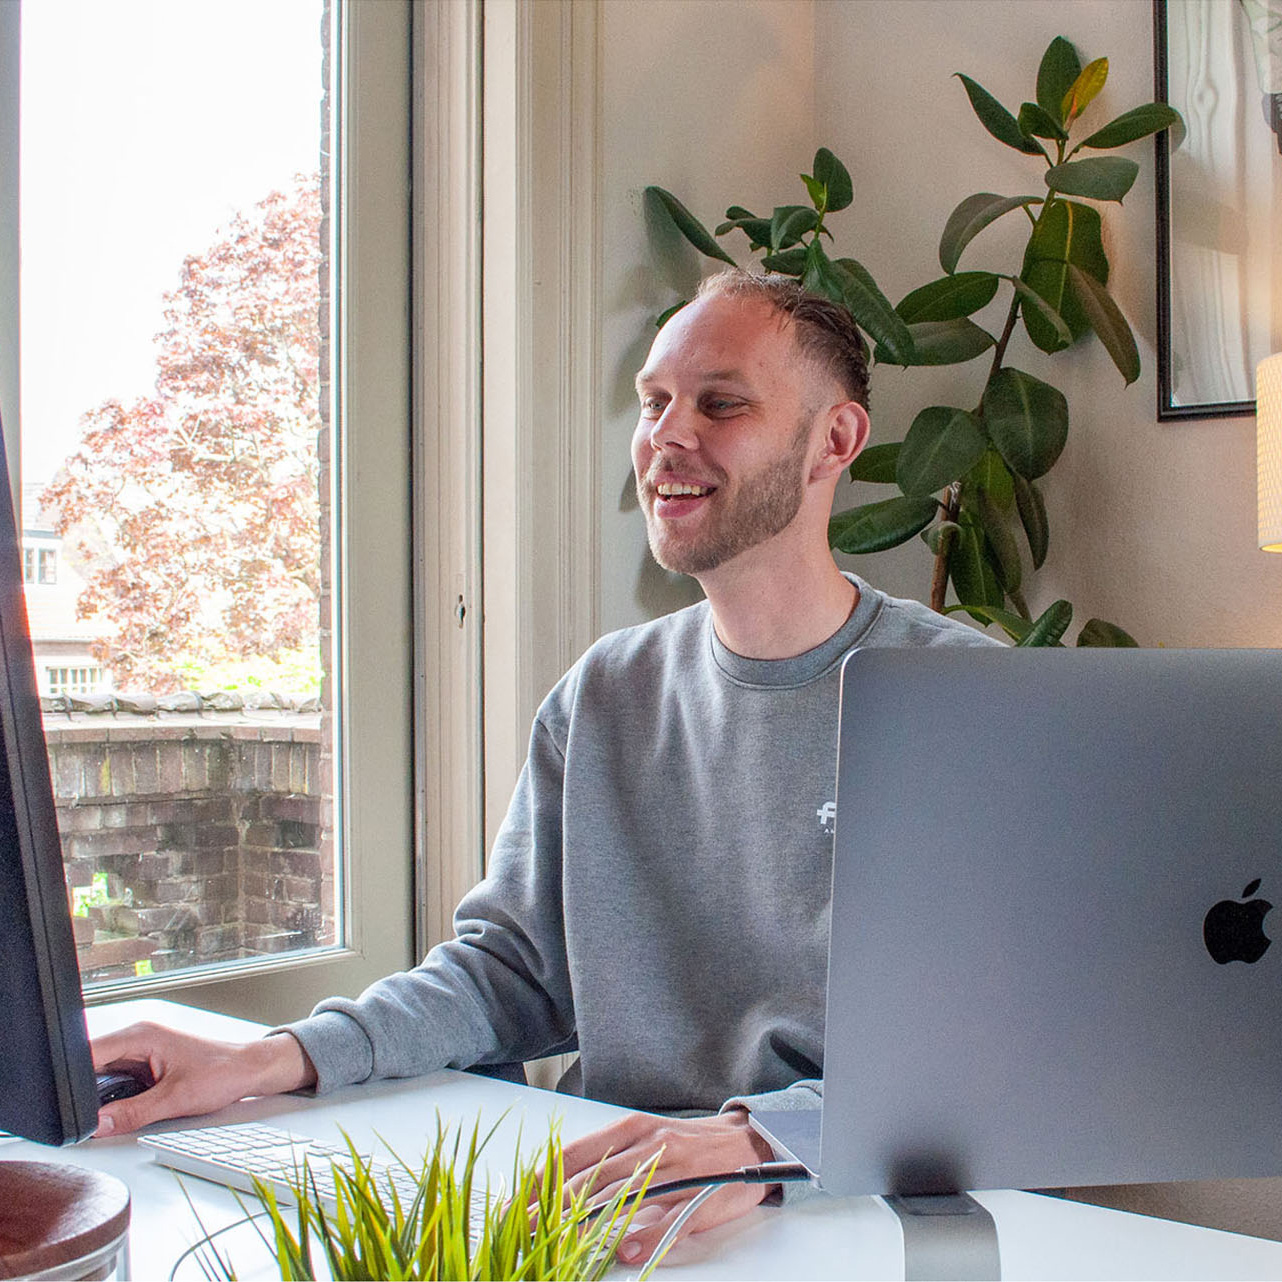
(949, 298)
(1036, 122)
(689, 226)
(942, 445)
(1049, 626)
(996, 119)
(1001, 542)
(1084, 90)
(1059, 68)
(756, 229)
(1107, 321)
(992, 476)
(1133, 125)
(872, 311)
(789, 262)
(1012, 624)
(874, 527)
(1031, 298)
(944, 343)
(876, 463)
(970, 218)
(835, 177)
(973, 577)
(1027, 420)
(1098, 632)
(1032, 516)
(789, 224)
(1067, 232)
(1098, 177)
(817, 192)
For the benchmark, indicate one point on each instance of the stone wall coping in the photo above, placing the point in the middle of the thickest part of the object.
(281, 727)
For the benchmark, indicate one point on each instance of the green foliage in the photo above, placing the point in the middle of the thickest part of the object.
(986, 459)
(942, 443)
(878, 526)
(790, 242)
(296, 672)
(453, 1226)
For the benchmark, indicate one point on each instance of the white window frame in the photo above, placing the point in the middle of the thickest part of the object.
(503, 454)
(543, 386)
(373, 651)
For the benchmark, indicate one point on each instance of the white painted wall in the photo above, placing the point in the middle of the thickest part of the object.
(713, 100)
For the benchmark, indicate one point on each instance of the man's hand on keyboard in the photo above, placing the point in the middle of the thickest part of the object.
(690, 1146)
(196, 1074)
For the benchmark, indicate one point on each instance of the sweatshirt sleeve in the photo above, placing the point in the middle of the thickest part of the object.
(497, 992)
(806, 1093)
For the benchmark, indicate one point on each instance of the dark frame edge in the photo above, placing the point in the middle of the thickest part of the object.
(1167, 410)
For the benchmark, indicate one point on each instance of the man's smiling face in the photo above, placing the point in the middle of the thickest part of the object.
(723, 441)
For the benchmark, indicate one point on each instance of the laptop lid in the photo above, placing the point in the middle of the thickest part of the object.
(1028, 844)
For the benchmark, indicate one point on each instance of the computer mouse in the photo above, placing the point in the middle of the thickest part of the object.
(120, 1081)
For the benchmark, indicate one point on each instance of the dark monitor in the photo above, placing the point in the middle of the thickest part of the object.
(48, 1091)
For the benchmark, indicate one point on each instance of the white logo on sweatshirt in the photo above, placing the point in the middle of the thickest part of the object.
(827, 815)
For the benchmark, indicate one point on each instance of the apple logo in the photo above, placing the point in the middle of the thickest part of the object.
(1235, 931)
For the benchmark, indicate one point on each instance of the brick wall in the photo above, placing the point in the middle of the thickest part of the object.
(209, 835)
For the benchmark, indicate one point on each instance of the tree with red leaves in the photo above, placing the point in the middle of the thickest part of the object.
(196, 510)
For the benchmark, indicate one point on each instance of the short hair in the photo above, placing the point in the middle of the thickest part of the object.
(825, 331)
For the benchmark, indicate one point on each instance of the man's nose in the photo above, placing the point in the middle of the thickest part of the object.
(675, 428)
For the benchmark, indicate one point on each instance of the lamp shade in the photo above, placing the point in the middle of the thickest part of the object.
(1268, 450)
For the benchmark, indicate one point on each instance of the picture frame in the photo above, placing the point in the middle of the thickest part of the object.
(1219, 202)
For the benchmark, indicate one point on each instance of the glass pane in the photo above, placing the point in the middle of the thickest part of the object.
(175, 410)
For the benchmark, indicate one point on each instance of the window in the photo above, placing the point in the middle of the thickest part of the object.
(73, 680)
(39, 565)
(259, 739)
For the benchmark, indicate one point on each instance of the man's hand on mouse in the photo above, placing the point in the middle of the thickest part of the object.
(196, 1075)
(684, 1147)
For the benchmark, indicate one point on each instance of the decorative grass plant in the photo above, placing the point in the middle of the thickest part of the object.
(453, 1225)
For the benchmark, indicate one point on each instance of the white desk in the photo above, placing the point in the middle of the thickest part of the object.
(823, 1238)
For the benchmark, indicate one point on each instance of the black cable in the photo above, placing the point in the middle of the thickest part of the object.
(761, 1173)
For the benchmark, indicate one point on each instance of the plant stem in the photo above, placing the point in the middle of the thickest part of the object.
(999, 352)
(952, 506)
(939, 581)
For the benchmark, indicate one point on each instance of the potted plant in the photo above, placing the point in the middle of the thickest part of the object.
(968, 474)
(453, 1224)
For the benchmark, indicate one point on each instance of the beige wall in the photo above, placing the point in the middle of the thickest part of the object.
(1152, 526)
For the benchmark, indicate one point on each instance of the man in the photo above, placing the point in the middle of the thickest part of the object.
(658, 894)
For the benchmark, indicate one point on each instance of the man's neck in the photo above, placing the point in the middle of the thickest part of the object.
(776, 612)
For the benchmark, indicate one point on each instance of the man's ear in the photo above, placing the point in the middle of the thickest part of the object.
(845, 434)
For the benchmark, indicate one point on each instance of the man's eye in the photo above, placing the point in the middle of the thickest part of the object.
(651, 406)
(720, 404)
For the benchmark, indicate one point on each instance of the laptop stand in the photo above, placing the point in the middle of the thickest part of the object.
(947, 1235)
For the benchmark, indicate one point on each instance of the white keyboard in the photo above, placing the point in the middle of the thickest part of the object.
(235, 1155)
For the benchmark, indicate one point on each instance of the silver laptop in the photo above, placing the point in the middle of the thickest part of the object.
(1050, 960)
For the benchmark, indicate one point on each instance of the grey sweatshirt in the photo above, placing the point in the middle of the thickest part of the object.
(658, 893)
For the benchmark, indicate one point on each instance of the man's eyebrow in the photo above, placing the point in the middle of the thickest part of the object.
(645, 377)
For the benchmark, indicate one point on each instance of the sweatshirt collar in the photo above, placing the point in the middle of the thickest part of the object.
(801, 668)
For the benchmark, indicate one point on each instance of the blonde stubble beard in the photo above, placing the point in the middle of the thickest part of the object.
(767, 503)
